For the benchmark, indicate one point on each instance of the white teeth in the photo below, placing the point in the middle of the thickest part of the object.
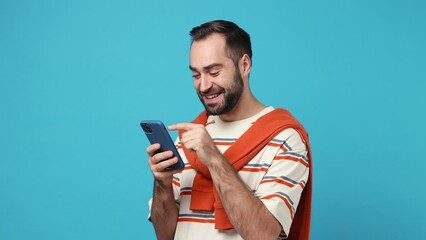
(211, 96)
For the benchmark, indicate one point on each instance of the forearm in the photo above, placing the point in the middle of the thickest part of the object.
(246, 212)
(164, 211)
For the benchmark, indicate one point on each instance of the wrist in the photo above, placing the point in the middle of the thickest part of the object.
(218, 163)
(162, 184)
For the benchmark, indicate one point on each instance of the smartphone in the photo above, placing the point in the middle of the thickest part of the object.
(156, 132)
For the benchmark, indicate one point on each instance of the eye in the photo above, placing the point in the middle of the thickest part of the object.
(196, 75)
(214, 74)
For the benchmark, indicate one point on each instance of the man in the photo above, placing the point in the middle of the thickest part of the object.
(246, 165)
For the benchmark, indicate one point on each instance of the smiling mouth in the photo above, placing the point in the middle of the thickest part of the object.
(212, 96)
(212, 99)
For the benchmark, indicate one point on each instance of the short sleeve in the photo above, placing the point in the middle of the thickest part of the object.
(282, 185)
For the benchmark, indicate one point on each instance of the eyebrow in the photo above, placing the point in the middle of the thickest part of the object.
(208, 67)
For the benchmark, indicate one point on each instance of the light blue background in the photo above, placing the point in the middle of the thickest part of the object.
(76, 77)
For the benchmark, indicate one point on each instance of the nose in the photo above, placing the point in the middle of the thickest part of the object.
(205, 83)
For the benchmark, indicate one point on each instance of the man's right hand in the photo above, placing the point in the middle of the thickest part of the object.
(159, 164)
(164, 212)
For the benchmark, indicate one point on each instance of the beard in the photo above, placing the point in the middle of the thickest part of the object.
(231, 95)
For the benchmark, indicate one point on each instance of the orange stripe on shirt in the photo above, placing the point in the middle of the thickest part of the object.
(271, 144)
(292, 159)
(176, 183)
(285, 201)
(280, 181)
(224, 143)
(196, 220)
(248, 169)
(284, 148)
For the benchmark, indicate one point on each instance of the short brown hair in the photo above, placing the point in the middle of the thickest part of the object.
(237, 40)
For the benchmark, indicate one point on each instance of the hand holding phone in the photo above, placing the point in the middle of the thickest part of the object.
(156, 132)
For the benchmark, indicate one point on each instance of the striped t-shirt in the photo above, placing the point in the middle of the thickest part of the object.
(276, 175)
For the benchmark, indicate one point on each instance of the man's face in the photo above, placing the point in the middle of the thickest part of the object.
(218, 82)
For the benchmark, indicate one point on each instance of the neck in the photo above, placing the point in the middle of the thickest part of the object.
(246, 107)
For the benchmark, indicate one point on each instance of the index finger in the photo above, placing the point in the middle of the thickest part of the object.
(152, 148)
(183, 126)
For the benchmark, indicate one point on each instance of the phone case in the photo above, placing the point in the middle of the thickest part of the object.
(156, 132)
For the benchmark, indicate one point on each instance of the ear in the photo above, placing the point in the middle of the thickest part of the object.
(245, 66)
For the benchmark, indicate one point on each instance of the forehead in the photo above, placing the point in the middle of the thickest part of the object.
(208, 51)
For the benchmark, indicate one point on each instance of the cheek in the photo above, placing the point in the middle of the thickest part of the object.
(224, 81)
